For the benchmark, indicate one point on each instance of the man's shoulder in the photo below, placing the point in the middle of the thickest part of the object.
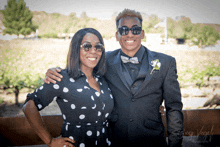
(111, 54)
(159, 54)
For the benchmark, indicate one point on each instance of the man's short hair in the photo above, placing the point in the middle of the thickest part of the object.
(128, 13)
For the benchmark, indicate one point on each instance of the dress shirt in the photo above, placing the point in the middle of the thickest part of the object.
(133, 70)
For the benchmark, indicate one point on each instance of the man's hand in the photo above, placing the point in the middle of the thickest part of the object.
(61, 142)
(52, 75)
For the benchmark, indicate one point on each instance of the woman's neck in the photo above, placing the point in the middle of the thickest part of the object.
(87, 72)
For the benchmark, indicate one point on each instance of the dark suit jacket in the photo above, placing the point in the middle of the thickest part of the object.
(135, 120)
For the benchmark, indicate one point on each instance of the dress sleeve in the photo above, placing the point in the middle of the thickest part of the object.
(45, 94)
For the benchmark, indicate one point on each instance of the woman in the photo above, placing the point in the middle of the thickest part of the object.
(83, 96)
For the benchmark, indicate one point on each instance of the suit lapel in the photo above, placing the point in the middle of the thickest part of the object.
(151, 56)
(118, 67)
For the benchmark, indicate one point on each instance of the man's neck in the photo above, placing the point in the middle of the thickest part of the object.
(130, 53)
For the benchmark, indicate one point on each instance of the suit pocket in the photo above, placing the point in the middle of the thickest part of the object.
(153, 124)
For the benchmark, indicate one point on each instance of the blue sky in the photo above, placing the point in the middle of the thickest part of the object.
(199, 11)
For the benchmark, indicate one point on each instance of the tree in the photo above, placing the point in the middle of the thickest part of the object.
(206, 36)
(170, 27)
(18, 18)
(149, 24)
(182, 28)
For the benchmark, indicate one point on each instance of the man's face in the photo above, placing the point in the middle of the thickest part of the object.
(130, 43)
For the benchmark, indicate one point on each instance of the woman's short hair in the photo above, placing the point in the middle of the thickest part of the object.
(128, 13)
(73, 57)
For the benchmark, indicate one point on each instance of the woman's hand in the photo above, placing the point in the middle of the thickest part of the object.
(61, 142)
(52, 75)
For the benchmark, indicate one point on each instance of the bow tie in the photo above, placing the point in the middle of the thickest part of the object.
(133, 60)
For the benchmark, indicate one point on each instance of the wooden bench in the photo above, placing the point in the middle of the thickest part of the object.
(200, 127)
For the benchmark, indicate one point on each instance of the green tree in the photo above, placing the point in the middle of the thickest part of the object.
(205, 36)
(18, 18)
(182, 28)
(149, 24)
(170, 27)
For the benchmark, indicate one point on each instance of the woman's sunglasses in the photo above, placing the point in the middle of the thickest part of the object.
(124, 30)
(87, 46)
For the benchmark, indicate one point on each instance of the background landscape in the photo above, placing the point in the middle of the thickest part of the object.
(25, 60)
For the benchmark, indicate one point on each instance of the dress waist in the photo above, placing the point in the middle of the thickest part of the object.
(85, 123)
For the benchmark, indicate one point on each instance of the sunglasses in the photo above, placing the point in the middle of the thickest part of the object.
(124, 30)
(87, 47)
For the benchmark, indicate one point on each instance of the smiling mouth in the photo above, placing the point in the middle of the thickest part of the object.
(92, 59)
(130, 41)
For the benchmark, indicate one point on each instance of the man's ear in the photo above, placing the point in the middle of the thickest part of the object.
(116, 35)
(142, 34)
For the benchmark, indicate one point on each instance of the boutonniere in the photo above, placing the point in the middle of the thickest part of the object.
(156, 65)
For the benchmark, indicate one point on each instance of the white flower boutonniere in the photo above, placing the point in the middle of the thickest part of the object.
(156, 65)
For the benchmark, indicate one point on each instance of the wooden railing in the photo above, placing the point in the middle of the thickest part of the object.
(200, 127)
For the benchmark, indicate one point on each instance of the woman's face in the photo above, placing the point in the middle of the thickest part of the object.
(89, 59)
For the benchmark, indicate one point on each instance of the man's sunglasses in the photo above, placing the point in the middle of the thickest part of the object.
(124, 30)
(87, 46)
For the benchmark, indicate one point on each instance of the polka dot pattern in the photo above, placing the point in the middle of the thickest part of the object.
(82, 116)
(111, 96)
(78, 126)
(106, 115)
(71, 137)
(94, 106)
(89, 108)
(72, 80)
(65, 90)
(41, 87)
(97, 94)
(89, 133)
(92, 98)
(98, 133)
(73, 106)
(39, 106)
(79, 90)
(85, 87)
(64, 117)
(55, 86)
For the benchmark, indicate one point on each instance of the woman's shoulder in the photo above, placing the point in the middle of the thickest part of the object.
(65, 74)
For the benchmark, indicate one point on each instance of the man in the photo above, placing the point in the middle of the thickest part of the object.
(139, 85)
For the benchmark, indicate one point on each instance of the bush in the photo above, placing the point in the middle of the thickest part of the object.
(199, 76)
(51, 35)
(14, 76)
(205, 36)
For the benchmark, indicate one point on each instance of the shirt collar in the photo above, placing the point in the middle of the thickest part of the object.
(139, 54)
(94, 74)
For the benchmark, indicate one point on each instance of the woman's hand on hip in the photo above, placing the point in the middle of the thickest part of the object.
(62, 142)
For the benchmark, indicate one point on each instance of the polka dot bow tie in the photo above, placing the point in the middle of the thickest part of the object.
(133, 60)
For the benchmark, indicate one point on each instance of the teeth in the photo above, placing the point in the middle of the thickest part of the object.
(130, 41)
(92, 59)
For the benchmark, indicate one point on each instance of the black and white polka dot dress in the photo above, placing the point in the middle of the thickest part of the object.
(85, 111)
